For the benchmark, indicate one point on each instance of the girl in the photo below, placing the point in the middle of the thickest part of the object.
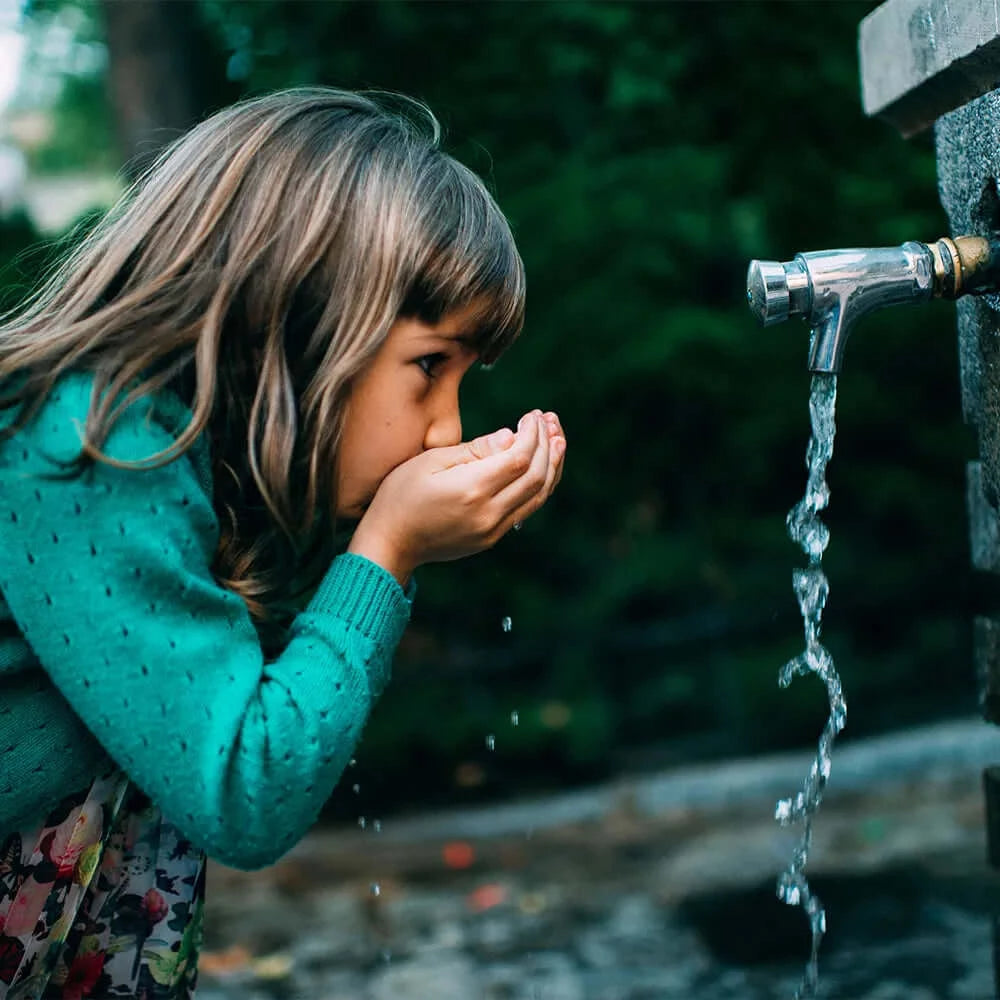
(265, 338)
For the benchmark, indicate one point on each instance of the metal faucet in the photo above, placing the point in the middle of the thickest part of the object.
(833, 289)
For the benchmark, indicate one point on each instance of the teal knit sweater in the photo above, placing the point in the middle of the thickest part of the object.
(117, 643)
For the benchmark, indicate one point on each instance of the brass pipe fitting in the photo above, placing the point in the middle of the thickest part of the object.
(957, 263)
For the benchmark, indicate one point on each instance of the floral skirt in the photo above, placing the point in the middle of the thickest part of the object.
(103, 899)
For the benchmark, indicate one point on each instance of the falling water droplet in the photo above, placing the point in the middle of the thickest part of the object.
(352, 763)
(514, 718)
(376, 889)
(377, 825)
(362, 822)
(491, 742)
(356, 789)
(791, 895)
(517, 525)
(506, 624)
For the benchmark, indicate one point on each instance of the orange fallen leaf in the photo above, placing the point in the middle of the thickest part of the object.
(220, 963)
(458, 854)
(485, 897)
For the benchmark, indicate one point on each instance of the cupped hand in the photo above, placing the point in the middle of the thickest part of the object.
(447, 503)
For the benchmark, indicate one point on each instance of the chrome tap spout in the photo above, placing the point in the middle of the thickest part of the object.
(833, 289)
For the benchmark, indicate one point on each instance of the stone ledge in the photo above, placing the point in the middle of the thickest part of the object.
(956, 746)
(922, 58)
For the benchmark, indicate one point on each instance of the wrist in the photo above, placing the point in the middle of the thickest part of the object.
(379, 550)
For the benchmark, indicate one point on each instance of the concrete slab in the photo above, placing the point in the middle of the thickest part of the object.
(922, 58)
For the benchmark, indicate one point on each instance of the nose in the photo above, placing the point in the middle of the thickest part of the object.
(445, 427)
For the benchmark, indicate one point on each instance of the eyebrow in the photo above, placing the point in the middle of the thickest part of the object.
(465, 339)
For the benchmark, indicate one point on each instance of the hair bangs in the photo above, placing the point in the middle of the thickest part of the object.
(474, 265)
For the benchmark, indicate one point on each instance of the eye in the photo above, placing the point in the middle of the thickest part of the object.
(430, 363)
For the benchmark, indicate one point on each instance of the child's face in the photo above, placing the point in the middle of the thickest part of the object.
(405, 402)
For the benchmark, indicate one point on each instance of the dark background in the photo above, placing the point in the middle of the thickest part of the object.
(644, 153)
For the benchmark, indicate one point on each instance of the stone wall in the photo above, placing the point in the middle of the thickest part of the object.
(968, 155)
(933, 63)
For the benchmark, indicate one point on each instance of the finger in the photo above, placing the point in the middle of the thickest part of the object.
(556, 432)
(491, 444)
(554, 425)
(559, 447)
(553, 469)
(532, 502)
(532, 483)
(498, 470)
(475, 450)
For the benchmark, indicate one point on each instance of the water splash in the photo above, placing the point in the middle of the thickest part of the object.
(811, 589)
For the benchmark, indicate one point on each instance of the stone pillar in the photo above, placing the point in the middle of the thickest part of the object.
(936, 63)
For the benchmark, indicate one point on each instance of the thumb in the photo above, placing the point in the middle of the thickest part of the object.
(476, 449)
(491, 444)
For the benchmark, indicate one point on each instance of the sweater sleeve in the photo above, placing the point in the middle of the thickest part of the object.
(108, 578)
(46, 752)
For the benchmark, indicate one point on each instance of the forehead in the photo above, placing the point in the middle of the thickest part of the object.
(458, 326)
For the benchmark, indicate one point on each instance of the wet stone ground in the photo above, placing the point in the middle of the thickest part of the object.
(651, 889)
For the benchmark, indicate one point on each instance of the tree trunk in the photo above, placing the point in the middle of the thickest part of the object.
(154, 74)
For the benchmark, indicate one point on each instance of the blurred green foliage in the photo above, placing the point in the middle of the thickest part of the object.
(18, 238)
(66, 55)
(644, 153)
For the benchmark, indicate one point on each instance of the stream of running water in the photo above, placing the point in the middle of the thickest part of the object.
(811, 589)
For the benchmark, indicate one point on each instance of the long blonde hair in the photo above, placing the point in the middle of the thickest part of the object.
(255, 269)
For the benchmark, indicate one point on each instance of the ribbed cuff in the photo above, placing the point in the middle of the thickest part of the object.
(361, 592)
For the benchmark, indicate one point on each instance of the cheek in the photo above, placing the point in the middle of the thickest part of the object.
(387, 425)
(383, 442)
(401, 438)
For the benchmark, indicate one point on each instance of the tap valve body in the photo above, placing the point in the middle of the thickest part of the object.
(833, 289)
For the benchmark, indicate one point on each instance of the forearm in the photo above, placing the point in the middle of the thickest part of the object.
(375, 546)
